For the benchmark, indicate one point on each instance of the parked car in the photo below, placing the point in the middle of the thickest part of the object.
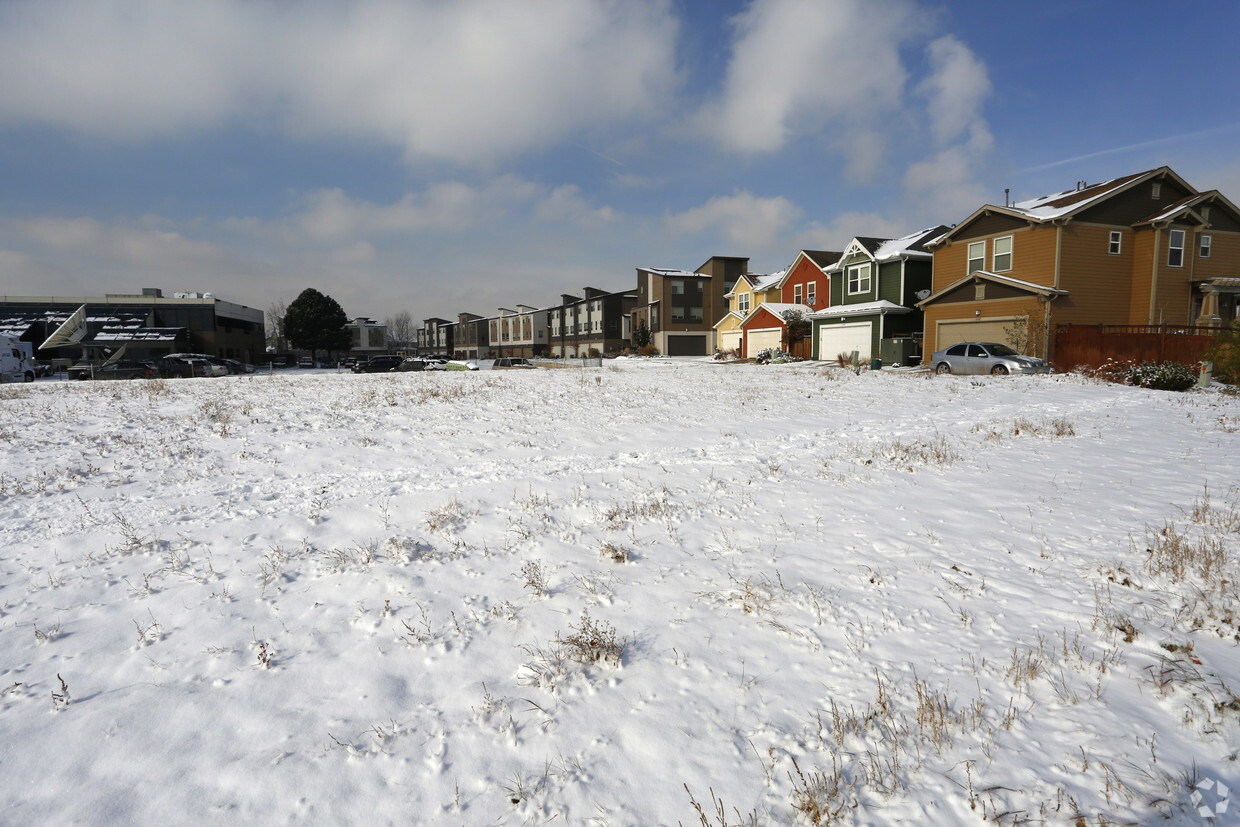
(505, 362)
(379, 364)
(236, 368)
(305, 362)
(460, 364)
(178, 366)
(348, 362)
(206, 364)
(411, 363)
(117, 370)
(973, 358)
(280, 362)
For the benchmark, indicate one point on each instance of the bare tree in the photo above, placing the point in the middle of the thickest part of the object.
(400, 329)
(276, 337)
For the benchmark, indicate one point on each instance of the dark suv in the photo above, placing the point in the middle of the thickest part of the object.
(378, 364)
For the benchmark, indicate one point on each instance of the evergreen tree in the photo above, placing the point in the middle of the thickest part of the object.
(315, 322)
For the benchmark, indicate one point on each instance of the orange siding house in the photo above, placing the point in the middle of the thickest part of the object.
(1143, 249)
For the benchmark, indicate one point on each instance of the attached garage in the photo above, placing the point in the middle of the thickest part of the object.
(693, 345)
(759, 340)
(834, 339)
(972, 330)
(730, 340)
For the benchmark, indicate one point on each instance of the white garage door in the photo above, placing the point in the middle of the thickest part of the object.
(729, 340)
(982, 330)
(834, 339)
(758, 340)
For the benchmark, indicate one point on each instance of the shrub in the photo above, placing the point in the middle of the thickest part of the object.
(1225, 354)
(1167, 376)
(648, 350)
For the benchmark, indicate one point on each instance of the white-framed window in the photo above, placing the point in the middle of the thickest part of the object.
(1175, 249)
(1156, 191)
(1003, 254)
(977, 256)
(979, 291)
(742, 303)
(859, 278)
(797, 294)
(1117, 239)
(1206, 241)
(811, 294)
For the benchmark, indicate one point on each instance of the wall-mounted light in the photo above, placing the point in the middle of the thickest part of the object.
(977, 312)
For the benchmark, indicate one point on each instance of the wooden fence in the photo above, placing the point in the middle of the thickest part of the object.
(1092, 345)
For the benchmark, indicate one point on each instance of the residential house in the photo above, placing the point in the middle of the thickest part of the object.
(596, 321)
(806, 281)
(875, 285)
(680, 308)
(1142, 249)
(766, 327)
(749, 291)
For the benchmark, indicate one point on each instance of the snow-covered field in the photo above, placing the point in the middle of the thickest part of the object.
(612, 596)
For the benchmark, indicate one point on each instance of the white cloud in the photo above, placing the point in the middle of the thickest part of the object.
(956, 88)
(800, 67)
(742, 218)
(566, 204)
(467, 81)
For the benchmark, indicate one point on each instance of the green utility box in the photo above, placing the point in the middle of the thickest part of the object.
(900, 352)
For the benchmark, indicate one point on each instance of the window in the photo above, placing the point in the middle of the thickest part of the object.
(1175, 249)
(979, 291)
(678, 288)
(695, 313)
(796, 294)
(977, 256)
(742, 303)
(1116, 238)
(1156, 191)
(957, 350)
(812, 295)
(859, 278)
(678, 313)
(1205, 212)
(1003, 254)
(1205, 246)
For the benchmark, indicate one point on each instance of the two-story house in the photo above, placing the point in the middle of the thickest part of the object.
(875, 285)
(1142, 249)
(679, 308)
(749, 291)
(366, 337)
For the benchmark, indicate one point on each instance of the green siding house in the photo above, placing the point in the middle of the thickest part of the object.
(875, 287)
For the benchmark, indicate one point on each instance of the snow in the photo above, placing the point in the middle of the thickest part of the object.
(318, 598)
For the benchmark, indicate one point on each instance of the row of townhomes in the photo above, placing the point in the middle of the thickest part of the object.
(1141, 250)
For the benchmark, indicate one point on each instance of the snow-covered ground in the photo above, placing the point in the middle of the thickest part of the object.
(878, 599)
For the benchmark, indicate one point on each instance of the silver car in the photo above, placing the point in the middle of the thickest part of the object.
(972, 358)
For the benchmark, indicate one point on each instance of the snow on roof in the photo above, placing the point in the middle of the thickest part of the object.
(1060, 203)
(145, 334)
(882, 306)
(765, 282)
(912, 245)
(664, 271)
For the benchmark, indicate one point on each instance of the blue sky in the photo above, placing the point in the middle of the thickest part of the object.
(442, 157)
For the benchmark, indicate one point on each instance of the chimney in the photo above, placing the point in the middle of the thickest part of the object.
(1007, 197)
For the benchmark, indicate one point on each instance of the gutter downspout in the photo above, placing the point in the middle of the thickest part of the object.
(1154, 276)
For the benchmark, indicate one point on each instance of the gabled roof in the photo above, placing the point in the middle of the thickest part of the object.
(1060, 206)
(1189, 208)
(731, 314)
(997, 278)
(912, 245)
(674, 273)
(777, 309)
(822, 259)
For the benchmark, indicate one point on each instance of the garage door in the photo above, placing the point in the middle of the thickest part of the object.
(758, 340)
(686, 346)
(730, 340)
(834, 339)
(982, 330)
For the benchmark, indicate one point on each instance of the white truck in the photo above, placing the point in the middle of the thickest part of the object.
(16, 360)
